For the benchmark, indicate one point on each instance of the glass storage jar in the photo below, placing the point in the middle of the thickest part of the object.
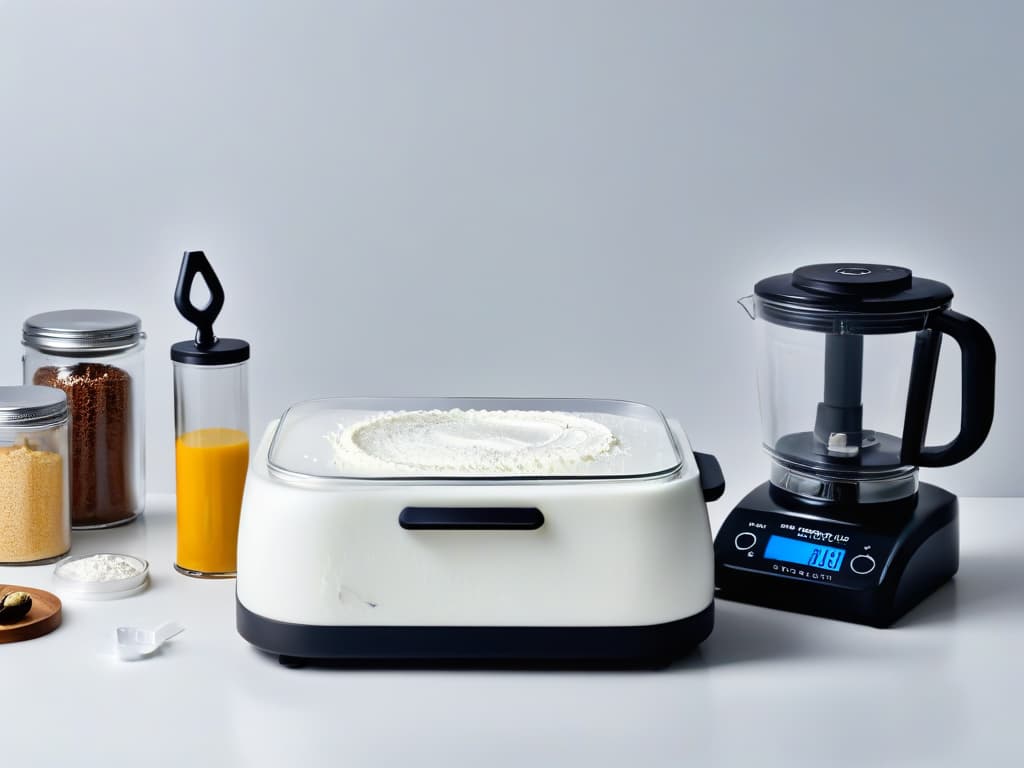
(35, 524)
(95, 357)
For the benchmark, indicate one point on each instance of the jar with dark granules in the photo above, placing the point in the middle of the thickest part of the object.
(95, 357)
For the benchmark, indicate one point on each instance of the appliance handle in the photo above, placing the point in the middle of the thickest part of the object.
(712, 481)
(471, 518)
(977, 390)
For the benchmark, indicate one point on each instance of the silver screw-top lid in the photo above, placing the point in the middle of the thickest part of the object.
(32, 406)
(78, 331)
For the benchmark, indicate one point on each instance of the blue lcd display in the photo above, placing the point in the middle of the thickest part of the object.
(804, 553)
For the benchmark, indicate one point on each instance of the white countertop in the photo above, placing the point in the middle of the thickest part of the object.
(945, 687)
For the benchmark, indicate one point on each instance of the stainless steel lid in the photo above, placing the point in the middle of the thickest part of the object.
(77, 331)
(32, 406)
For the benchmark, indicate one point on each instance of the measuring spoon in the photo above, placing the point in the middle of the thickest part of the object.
(134, 643)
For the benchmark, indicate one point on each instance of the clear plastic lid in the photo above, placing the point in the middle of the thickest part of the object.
(471, 439)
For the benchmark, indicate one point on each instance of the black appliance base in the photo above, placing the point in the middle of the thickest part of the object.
(655, 645)
(892, 558)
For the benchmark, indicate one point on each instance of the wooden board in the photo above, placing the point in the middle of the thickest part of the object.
(44, 616)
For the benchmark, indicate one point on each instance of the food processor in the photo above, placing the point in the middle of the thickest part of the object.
(846, 364)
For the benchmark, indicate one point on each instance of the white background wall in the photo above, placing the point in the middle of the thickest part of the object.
(543, 197)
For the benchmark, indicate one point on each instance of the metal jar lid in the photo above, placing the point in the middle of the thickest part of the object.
(32, 406)
(82, 331)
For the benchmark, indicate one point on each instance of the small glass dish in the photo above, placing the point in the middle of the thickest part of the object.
(101, 588)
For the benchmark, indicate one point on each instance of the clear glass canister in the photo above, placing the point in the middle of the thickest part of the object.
(211, 427)
(96, 357)
(35, 523)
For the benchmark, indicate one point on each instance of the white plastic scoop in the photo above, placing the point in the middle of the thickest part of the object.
(134, 643)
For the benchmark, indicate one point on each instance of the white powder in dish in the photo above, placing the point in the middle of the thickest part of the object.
(471, 442)
(99, 568)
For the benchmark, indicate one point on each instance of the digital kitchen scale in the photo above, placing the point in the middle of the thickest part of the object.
(847, 357)
(869, 570)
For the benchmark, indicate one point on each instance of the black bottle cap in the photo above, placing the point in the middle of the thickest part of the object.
(206, 348)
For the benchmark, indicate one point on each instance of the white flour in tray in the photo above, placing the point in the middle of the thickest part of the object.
(101, 567)
(472, 442)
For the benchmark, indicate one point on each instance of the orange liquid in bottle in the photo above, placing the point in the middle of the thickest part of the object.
(211, 466)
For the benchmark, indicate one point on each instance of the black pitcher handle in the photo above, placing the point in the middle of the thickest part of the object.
(977, 389)
(195, 263)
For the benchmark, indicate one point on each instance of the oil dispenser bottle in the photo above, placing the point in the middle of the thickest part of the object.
(211, 427)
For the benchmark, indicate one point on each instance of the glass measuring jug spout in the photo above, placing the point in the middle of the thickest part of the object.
(847, 357)
(747, 302)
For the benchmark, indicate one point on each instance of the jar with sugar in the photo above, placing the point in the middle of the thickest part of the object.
(96, 358)
(34, 518)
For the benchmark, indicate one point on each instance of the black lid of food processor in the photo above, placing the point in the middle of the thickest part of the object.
(805, 297)
(206, 348)
(860, 287)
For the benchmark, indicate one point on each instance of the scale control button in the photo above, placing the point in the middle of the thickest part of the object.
(745, 540)
(862, 564)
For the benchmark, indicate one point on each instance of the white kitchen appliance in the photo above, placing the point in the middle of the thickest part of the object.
(610, 562)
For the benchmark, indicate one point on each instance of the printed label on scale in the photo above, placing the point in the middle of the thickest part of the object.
(813, 575)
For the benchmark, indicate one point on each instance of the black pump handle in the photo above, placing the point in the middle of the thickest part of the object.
(195, 263)
(977, 390)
